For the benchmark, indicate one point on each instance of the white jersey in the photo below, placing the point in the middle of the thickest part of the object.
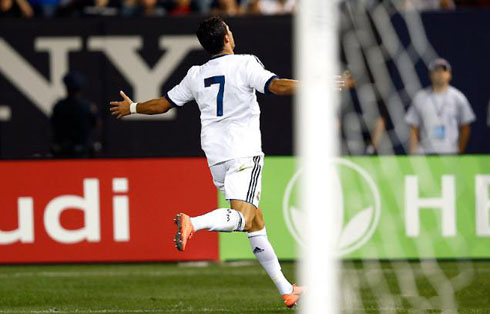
(224, 89)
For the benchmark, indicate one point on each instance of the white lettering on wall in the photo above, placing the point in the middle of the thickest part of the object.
(482, 185)
(41, 92)
(122, 51)
(25, 230)
(89, 204)
(120, 207)
(446, 203)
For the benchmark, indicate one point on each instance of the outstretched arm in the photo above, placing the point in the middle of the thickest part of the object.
(288, 87)
(283, 86)
(123, 108)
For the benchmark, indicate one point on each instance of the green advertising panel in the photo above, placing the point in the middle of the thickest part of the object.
(389, 207)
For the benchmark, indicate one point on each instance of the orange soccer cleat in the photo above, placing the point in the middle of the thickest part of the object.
(291, 299)
(185, 230)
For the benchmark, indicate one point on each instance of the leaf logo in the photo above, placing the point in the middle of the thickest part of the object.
(356, 228)
(361, 222)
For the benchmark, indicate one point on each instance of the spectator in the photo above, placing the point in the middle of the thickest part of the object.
(202, 6)
(364, 119)
(45, 8)
(74, 121)
(226, 7)
(150, 8)
(472, 3)
(88, 8)
(15, 8)
(271, 7)
(426, 5)
(128, 7)
(440, 116)
(101, 8)
(181, 7)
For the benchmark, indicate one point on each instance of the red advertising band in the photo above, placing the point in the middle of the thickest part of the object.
(102, 210)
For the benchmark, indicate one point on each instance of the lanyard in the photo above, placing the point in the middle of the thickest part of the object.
(439, 106)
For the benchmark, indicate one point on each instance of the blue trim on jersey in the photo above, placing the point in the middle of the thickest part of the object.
(220, 79)
(171, 101)
(259, 62)
(219, 56)
(268, 83)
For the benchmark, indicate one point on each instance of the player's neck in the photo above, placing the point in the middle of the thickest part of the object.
(225, 51)
(439, 88)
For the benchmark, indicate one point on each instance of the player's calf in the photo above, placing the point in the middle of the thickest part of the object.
(221, 220)
(247, 210)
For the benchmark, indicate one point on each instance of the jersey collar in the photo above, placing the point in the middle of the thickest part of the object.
(219, 56)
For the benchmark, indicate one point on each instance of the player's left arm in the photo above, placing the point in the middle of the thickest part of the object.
(288, 87)
(283, 86)
(464, 135)
(124, 107)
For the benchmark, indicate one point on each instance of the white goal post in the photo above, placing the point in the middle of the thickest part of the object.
(316, 65)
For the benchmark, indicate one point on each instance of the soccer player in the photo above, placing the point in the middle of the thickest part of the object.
(224, 89)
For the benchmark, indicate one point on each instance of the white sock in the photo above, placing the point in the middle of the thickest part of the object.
(221, 219)
(266, 256)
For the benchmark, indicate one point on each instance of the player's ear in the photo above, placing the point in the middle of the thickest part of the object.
(227, 38)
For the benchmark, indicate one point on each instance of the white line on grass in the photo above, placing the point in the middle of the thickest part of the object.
(178, 272)
(102, 311)
(213, 310)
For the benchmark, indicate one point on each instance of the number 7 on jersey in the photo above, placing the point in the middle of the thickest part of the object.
(220, 79)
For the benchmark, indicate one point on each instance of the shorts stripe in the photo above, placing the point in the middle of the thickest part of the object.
(255, 183)
(250, 186)
(254, 179)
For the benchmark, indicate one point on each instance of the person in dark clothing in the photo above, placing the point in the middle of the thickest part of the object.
(364, 123)
(73, 121)
(15, 8)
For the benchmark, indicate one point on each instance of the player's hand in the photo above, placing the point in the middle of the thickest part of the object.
(348, 79)
(339, 82)
(121, 108)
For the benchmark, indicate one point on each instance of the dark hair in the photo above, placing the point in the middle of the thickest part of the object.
(74, 81)
(211, 34)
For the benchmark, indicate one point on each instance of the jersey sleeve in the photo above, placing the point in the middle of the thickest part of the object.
(257, 76)
(181, 93)
(466, 114)
(412, 117)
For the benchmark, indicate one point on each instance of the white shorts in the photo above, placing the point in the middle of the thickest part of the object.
(240, 179)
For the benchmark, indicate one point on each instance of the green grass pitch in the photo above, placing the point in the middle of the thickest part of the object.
(216, 288)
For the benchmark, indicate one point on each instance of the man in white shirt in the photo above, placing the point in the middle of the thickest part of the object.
(224, 89)
(440, 116)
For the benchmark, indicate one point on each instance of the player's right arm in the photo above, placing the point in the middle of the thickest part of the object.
(414, 139)
(176, 97)
(123, 108)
